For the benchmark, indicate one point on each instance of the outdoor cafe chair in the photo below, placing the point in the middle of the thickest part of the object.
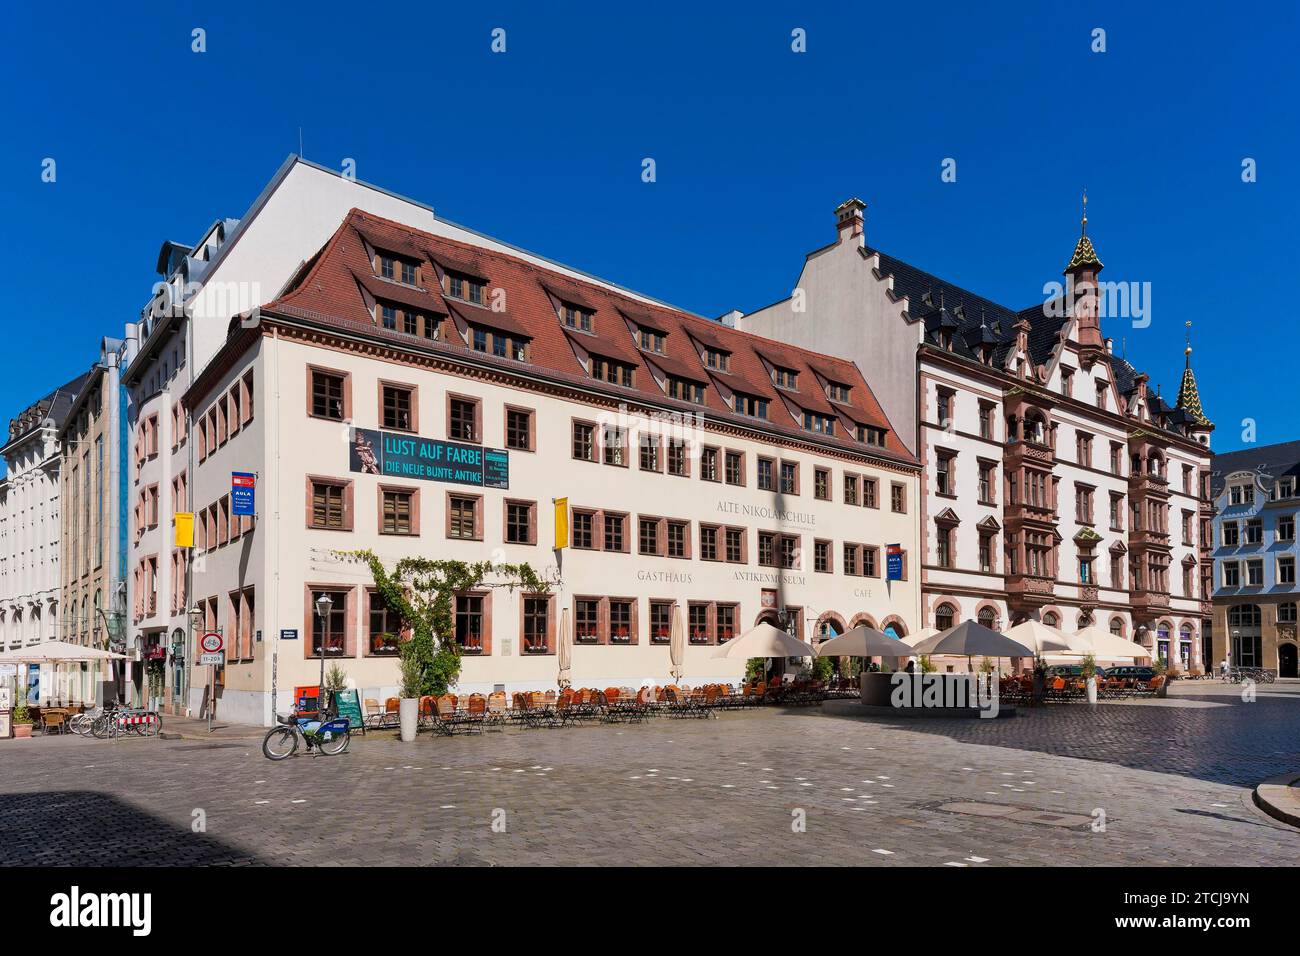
(373, 713)
(53, 719)
(449, 719)
(390, 712)
(496, 708)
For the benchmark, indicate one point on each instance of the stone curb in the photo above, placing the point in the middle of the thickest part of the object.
(1279, 797)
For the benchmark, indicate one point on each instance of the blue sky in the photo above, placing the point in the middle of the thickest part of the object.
(754, 146)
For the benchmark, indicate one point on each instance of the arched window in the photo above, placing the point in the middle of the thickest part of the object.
(1117, 626)
(1051, 620)
(944, 616)
(1085, 619)
(989, 618)
(1035, 429)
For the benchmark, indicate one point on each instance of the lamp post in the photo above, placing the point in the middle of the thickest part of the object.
(324, 604)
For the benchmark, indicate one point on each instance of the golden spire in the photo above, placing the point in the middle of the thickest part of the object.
(1189, 396)
(1085, 257)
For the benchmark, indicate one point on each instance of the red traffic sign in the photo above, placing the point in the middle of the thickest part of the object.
(211, 643)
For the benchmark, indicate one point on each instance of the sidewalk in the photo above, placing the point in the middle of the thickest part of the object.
(196, 728)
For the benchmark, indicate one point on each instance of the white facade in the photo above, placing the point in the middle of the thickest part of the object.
(286, 562)
(1136, 573)
(29, 524)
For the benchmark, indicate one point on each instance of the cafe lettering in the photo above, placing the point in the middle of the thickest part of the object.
(395, 455)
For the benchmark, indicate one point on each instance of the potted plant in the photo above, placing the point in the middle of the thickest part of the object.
(1089, 669)
(22, 718)
(408, 704)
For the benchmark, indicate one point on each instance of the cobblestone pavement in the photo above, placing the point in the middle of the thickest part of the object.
(1172, 777)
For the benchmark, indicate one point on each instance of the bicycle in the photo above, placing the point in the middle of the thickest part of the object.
(331, 737)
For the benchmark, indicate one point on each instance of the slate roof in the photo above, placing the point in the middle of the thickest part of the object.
(974, 319)
(330, 292)
(54, 406)
(1271, 460)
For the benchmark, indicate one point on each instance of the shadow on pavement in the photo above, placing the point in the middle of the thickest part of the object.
(84, 828)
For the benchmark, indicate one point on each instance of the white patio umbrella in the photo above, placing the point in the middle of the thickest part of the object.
(1041, 638)
(919, 636)
(863, 641)
(565, 650)
(676, 643)
(57, 652)
(765, 640)
(972, 639)
(1105, 646)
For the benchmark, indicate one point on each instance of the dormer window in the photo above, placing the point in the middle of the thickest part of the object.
(398, 270)
(652, 340)
(871, 435)
(785, 378)
(498, 343)
(686, 391)
(576, 318)
(396, 318)
(468, 288)
(717, 359)
(750, 405)
(838, 392)
(818, 424)
(609, 370)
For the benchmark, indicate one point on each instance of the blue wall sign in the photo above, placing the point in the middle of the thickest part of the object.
(893, 562)
(396, 455)
(242, 484)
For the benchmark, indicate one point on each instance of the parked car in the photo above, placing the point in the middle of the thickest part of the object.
(1130, 672)
(1075, 671)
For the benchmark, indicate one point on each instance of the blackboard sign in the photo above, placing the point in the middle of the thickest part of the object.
(348, 704)
(396, 455)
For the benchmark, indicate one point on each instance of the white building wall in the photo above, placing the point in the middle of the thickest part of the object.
(283, 556)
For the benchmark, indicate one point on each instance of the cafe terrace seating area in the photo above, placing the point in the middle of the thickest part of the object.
(1020, 690)
(569, 707)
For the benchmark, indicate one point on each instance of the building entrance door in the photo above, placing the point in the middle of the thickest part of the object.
(1286, 661)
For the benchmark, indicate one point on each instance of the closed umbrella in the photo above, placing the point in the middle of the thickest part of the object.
(565, 650)
(863, 641)
(972, 639)
(676, 644)
(765, 640)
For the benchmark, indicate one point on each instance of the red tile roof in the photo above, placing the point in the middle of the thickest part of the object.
(331, 290)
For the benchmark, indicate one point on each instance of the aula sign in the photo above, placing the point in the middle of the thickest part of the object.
(976, 692)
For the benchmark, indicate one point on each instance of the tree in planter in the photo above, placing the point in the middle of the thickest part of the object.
(336, 678)
(422, 593)
(927, 666)
(1089, 666)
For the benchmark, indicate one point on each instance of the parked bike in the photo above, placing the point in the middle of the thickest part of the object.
(1260, 675)
(331, 737)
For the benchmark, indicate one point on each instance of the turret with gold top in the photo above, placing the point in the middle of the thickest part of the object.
(1198, 424)
(1082, 270)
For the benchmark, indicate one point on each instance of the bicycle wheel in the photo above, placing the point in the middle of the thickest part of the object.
(279, 742)
(336, 744)
(101, 727)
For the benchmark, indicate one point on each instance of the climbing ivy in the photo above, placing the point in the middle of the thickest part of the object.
(422, 593)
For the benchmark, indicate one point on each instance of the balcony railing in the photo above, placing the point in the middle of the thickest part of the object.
(1020, 452)
(1030, 585)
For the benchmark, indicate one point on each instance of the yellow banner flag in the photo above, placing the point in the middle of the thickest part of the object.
(561, 523)
(184, 529)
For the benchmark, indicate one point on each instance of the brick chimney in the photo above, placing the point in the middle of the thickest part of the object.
(848, 220)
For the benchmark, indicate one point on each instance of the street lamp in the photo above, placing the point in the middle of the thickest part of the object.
(324, 604)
